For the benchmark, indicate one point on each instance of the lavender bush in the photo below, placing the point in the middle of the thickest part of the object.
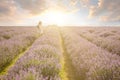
(90, 50)
(11, 48)
(41, 62)
(7, 33)
(91, 62)
(104, 38)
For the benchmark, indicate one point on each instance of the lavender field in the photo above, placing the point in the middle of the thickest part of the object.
(60, 53)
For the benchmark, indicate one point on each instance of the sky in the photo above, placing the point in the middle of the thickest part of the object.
(60, 12)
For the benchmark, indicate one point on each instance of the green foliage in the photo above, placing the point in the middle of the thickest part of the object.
(6, 36)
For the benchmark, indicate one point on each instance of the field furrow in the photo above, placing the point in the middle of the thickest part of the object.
(104, 39)
(12, 48)
(41, 61)
(60, 53)
(90, 61)
(11, 33)
(12, 63)
(68, 71)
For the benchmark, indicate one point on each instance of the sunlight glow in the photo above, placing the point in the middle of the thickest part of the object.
(55, 17)
(58, 17)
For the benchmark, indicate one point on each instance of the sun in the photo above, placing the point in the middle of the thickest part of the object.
(55, 17)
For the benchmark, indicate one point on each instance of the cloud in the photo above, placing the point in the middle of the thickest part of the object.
(7, 10)
(103, 10)
(64, 5)
(108, 18)
(74, 2)
(16, 10)
(7, 7)
(39, 6)
(106, 10)
(32, 6)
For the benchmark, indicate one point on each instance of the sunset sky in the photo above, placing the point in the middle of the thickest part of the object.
(60, 12)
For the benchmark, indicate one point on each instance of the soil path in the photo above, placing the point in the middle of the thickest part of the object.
(68, 70)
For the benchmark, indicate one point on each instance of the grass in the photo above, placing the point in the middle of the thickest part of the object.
(8, 66)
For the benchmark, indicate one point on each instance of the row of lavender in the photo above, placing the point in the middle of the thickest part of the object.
(11, 48)
(7, 33)
(112, 33)
(41, 62)
(107, 38)
(8, 29)
(2, 29)
(91, 62)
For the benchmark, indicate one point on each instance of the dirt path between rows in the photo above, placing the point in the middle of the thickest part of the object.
(68, 70)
